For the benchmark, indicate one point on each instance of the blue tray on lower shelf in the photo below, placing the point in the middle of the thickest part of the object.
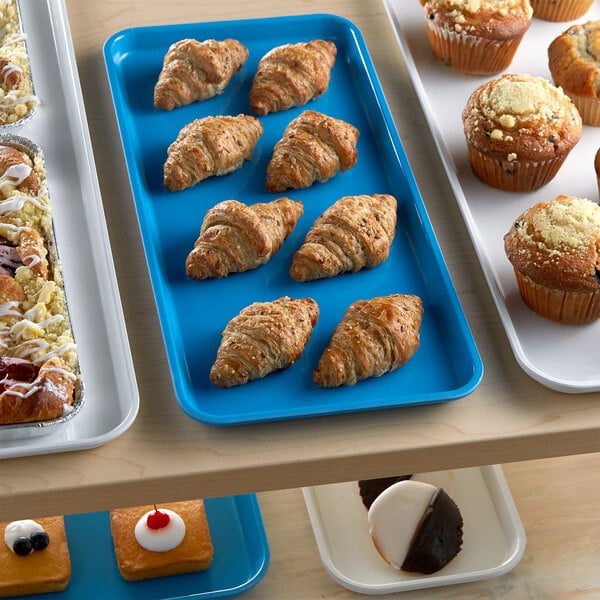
(193, 314)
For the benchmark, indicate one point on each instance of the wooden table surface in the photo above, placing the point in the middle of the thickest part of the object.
(165, 455)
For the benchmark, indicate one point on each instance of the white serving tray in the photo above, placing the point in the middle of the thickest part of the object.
(493, 536)
(489, 213)
(59, 127)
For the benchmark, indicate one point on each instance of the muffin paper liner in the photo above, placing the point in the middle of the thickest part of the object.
(560, 10)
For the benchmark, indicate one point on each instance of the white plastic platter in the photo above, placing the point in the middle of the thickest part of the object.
(59, 127)
(493, 536)
(489, 213)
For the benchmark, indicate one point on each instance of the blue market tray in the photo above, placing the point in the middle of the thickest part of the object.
(193, 314)
(241, 558)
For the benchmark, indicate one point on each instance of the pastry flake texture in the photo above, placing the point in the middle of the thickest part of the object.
(292, 75)
(354, 233)
(235, 237)
(314, 147)
(374, 337)
(264, 337)
(210, 146)
(197, 70)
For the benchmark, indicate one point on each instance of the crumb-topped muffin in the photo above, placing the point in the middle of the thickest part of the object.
(574, 62)
(476, 36)
(519, 130)
(597, 168)
(560, 10)
(554, 248)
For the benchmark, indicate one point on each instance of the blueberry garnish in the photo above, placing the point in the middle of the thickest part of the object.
(22, 546)
(39, 540)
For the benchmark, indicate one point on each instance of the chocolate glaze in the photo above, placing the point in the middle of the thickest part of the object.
(371, 488)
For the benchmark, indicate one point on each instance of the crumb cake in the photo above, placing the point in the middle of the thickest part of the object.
(38, 358)
(34, 556)
(519, 129)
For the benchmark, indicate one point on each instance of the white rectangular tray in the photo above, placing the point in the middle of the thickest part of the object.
(59, 127)
(489, 213)
(493, 536)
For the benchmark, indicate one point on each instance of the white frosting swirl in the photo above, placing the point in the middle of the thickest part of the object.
(163, 539)
(18, 529)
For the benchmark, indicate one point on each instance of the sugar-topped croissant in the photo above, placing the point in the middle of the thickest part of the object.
(314, 147)
(374, 337)
(235, 237)
(194, 70)
(210, 146)
(354, 233)
(291, 75)
(264, 337)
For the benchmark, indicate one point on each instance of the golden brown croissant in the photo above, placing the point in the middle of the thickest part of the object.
(210, 146)
(374, 337)
(264, 337)
(314, 147)
(354, 233)
(291, 75)
(235, 237)
(194, 70)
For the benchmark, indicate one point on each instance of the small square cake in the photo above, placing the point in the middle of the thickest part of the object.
(34, 556)
(155, 542)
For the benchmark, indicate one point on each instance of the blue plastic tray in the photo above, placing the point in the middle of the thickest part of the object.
(193, 314)
(241, 558)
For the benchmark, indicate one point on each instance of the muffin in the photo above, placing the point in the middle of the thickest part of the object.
(476, 37)
(574, 62)
(519, 130)
(560, 10)
(597, 168)
(554, 248)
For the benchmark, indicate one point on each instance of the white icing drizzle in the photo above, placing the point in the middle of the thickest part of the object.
(16, 202)
(160, 540)
(17, 529)
(32, 260)
(15, 174)
(36, 345)
(10, 309)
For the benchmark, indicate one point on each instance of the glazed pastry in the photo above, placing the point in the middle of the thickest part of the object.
(374, 337)
(235, 237)
(264, 337)
(155, 542)
(16, 173)
(314, 147)
(194, 70)
(292, 75)
(26, 249)
(34, 556)
(355, 233)
(208, 147)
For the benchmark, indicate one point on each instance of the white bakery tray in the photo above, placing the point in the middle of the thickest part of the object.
(493, 536)
(489, 213)
(59, 127)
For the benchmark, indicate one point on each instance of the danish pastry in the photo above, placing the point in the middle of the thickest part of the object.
(356, 232)
(292, 75)
(194, 71)
(264, 337)
(210, 146)
(374, 337)
(314, 147)
(235, 237)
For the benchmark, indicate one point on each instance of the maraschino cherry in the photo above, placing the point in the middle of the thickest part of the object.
(157, 519)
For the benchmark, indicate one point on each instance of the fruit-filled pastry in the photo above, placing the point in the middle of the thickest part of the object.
(197, 70)
(292, 75)
(235, 237)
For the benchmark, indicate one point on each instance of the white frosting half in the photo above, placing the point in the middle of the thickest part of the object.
(394, 517)
(163, 539)
(18, 529)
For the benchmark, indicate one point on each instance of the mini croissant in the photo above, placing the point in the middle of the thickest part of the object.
(235, 237)
(291, 75)
(354, 233)
(210, 146)
(374, 337)
(314, 147)
(194, 70)
(264, 337)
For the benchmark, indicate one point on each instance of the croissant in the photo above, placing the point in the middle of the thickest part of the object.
(314, 147)
(235, 237)
(210, 146)
(374, 337)
(264, 337)
(194, 70)
(354, 233)
(291, 75)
